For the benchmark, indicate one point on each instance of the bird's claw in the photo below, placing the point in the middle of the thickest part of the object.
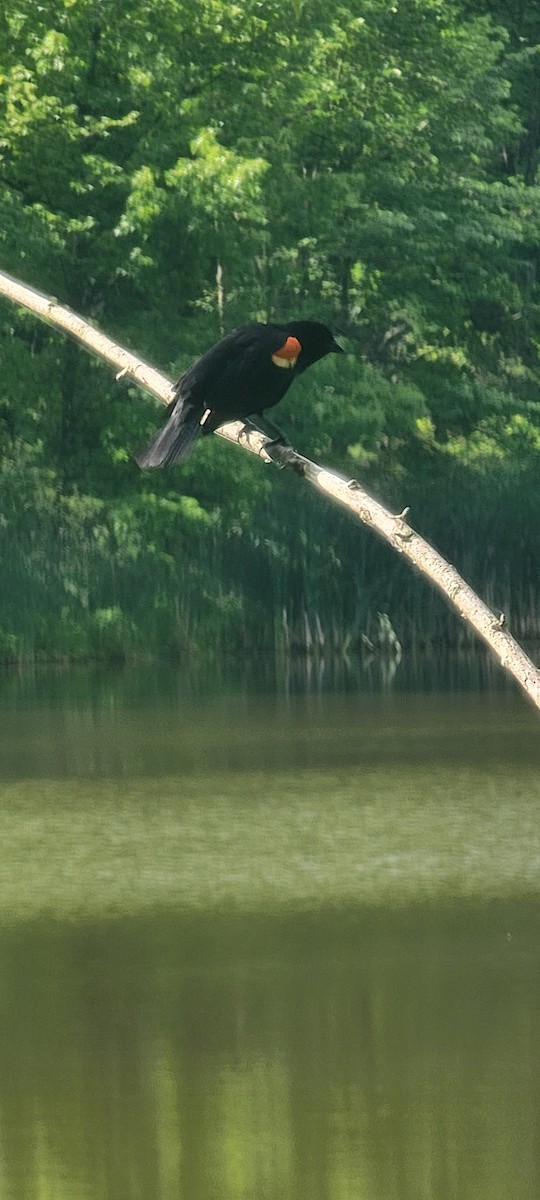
(280, 443)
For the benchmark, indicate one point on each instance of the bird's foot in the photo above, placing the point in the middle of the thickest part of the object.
(279, 440)
(286, 455)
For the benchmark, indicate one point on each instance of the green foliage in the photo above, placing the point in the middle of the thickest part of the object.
(174, 169)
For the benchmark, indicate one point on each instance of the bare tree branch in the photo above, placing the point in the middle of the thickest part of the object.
(63, 318)
(348, 493)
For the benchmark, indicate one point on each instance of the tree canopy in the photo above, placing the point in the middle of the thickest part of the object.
(172, 170)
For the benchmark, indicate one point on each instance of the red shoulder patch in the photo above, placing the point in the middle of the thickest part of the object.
(290, 349)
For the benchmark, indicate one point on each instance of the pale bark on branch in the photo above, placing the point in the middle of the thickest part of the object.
(393, 529)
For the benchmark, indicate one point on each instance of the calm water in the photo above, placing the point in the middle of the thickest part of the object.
(269, 938)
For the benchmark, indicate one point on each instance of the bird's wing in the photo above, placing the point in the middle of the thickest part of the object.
(211, 373)
(208, 371)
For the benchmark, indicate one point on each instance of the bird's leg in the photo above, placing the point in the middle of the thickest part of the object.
(265, 425)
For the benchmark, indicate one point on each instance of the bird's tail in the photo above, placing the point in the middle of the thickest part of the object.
(174, 441)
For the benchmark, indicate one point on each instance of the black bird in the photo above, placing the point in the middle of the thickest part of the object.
(245, 373)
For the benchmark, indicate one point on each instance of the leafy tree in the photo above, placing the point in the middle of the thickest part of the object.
(172, 170)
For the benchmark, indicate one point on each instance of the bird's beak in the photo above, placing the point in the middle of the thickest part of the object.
(338, 347)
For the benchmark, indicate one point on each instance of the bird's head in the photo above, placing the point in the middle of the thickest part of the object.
(316, 340)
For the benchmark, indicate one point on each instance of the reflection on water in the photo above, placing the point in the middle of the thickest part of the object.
(267, 945)
(393, 1056)
(161, 684)
(154, 722)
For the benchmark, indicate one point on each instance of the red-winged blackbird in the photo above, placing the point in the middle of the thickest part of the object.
(242, 375)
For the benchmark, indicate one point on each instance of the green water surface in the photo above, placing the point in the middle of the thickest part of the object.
(261, 943)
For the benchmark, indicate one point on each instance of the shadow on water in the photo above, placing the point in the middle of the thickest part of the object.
(315, 1057)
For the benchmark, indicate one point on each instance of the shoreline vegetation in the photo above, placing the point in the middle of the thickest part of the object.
(112, 595)
(379, 173)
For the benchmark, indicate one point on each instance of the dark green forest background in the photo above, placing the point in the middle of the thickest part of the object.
(171, 169)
